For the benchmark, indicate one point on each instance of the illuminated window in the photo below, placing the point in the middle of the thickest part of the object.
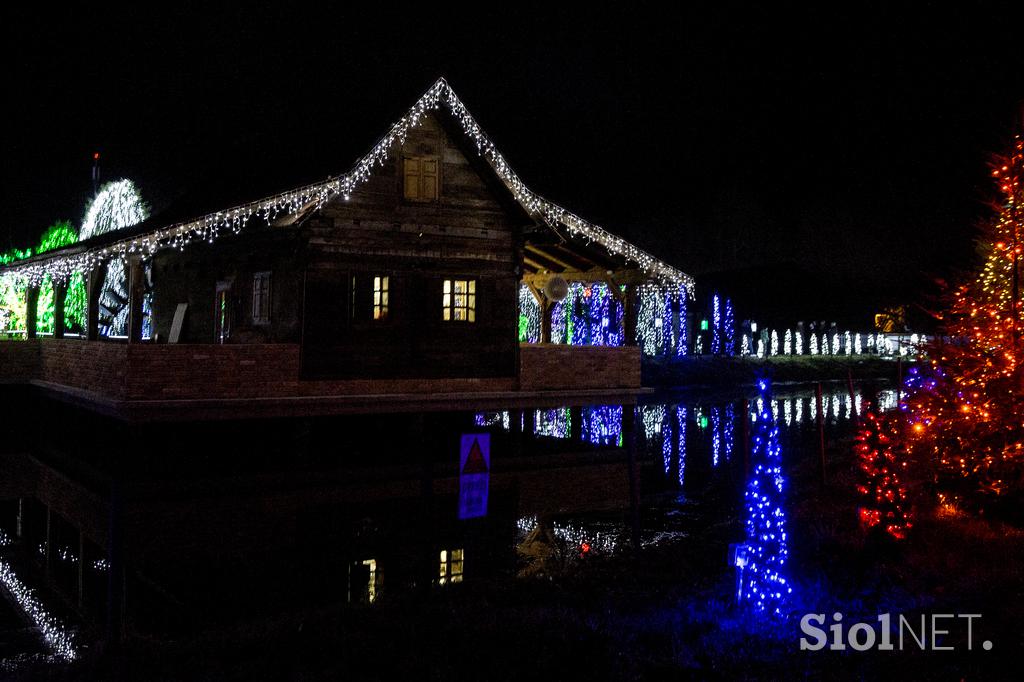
(380, 298)
(261, 298)
(363, 581)
(420, 178)
(451, 567)
(460, 300)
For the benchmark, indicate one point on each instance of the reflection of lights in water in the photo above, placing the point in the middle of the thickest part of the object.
(762, 581)
(665, 430)
(66, 555)
(57, 637)
(451, 566)
(602, 425)
(835, 406)
(799, 411)
(787, 411)
(575, 536)
(716, 435)
(887, 400)
(775, 410)
(370, 591)
(652, 416)
(681, 420)
(730, 427)
(554, 423)
(716, 325)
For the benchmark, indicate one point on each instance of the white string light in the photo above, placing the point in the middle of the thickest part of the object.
(207, 228)
(57, 637)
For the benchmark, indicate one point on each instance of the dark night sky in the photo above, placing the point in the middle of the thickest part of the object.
(852, 143)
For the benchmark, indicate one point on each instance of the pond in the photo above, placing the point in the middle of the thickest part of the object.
(213, 542)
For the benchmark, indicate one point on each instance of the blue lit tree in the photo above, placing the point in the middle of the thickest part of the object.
(764, 583)
(728, 329)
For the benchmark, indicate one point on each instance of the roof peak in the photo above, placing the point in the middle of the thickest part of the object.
(62, 264)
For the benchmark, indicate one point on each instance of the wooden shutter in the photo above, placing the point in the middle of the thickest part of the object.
(428, 177)
(411, 171)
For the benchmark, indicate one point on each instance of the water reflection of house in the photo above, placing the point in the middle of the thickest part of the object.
(404, 277)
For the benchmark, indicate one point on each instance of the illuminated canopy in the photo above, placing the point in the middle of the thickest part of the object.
(84, 257)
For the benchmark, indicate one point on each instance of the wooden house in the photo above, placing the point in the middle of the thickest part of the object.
(402, 276)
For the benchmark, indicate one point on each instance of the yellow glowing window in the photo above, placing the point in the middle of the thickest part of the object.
(380, 298)
(420, 178)
(363, 581)
(450, 567)
(459, 300)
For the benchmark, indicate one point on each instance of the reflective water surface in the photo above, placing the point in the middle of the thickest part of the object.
(315, 514)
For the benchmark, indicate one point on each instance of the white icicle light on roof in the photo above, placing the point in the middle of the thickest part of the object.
(209, 227)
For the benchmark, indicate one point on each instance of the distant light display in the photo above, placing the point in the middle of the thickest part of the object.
(728, 329)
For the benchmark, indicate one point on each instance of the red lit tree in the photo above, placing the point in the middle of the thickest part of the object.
(882, 463)
(964, 414)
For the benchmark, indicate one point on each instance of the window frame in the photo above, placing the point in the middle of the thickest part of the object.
(451, 570)
(363, 305)
(380, 301)
(264, 297)
(449, 294)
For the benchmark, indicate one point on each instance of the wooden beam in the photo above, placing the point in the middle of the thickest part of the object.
(629, 316)
(614, 287)
(546, 255)
(546, 309)
(595, 275)
(582, 257)
(31, 311)
(136, 289)
(94, 285)
(534, 264)
(60, 293)
(536, 293)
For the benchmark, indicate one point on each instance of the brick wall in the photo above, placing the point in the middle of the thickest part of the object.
(96, 367)
(548, 367)
(166, 372)
(19, 361)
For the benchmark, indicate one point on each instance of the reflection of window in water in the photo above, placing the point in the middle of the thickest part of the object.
(553, 423)
(450, 570)
(363, 581)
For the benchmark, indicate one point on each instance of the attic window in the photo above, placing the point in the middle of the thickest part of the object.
(420, 178)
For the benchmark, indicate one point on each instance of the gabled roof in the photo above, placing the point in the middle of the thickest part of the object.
(148, 239)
